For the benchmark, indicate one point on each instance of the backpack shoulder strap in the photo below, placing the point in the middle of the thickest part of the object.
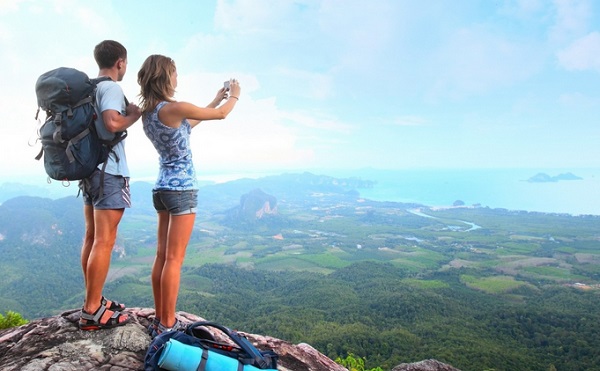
(121, 135)
(99, 79)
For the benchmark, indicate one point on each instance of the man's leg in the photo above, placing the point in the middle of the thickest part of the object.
(88, 239)
(106, 224)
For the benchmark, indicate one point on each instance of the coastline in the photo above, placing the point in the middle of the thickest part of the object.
(493, 188)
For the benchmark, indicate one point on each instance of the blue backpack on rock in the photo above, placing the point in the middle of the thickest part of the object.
(195, 349)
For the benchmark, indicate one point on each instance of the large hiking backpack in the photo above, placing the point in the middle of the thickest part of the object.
(70, 144)
(195, 348)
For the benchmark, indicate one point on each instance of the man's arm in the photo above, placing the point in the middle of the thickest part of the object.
(115, 122)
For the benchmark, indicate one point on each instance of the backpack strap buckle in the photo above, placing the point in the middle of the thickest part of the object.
(73, 141)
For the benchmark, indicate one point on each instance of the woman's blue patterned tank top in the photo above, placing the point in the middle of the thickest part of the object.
(175, 155)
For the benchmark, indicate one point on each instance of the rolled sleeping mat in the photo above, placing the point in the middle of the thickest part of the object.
(177, 356)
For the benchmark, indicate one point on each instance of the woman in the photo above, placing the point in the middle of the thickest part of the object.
(168, 124)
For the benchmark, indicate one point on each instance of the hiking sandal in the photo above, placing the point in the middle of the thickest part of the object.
(160, 328)
(153, 326)
(113, 305)
(92, 322)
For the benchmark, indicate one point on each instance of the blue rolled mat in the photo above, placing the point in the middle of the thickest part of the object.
(177, 356)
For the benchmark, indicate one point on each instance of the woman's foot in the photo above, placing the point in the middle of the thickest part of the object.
(153, 326)
(160, 328)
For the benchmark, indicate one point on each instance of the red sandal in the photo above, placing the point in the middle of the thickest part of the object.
(112, 305)
(92, 322)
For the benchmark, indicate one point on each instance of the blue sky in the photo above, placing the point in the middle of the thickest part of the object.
(334, 84)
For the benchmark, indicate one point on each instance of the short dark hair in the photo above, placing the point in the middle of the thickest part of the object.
(108, 52)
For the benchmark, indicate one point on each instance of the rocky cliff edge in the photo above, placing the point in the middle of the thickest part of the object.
(56, 343)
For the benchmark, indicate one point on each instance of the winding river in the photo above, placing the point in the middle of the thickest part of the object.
(473, 226)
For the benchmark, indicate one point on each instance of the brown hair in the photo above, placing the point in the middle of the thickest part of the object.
(154, 79)
(108, 52)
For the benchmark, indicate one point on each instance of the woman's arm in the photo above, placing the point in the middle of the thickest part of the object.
(221, 94)
(173, 113)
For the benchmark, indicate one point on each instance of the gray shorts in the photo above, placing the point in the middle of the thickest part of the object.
(175, 202)
(115, 191)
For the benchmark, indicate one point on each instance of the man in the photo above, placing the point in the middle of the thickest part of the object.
(106, 192)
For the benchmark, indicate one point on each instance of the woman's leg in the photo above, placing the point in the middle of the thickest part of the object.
(159, 260)
(178, 236)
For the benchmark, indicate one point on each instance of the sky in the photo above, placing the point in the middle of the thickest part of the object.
(332, 84)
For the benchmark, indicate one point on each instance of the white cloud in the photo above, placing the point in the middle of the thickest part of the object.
(271, 18)
(579, 101)
(360, 33)
(307, 84)
(409, 121)
(522, 8)
(10, 6)
(572, 19)
(315, 120)
(582, 54)
(476, 60)
(252, 137)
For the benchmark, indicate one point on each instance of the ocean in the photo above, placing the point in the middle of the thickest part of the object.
(497, 188)
(505, 188)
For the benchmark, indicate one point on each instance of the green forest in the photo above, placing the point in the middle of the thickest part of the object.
(473, 287)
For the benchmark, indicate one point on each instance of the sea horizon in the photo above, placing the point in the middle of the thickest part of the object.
(493, 188)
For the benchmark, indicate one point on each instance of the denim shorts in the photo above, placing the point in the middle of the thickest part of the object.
(176, 202)
(115, 191)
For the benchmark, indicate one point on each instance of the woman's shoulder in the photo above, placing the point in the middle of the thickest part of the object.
(163, 115)
(160, 105)
(170, 108)
(174, 105)
(151, 113)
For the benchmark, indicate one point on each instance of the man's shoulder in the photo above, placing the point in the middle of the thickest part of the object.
(110, 91)
(108, 85)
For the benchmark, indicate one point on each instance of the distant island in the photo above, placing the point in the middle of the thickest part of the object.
(545, 178)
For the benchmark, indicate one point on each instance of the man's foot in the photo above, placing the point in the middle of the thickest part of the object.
(102, 318)
(112, 305)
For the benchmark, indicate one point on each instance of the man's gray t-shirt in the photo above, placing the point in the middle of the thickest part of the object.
(109, 95)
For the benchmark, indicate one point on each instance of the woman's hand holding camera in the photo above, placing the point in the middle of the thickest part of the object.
(233, 88)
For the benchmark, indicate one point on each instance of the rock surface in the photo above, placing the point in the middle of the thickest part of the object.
(56, 344)
(427, 365)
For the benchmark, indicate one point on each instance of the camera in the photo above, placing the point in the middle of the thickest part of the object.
(226, 85)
